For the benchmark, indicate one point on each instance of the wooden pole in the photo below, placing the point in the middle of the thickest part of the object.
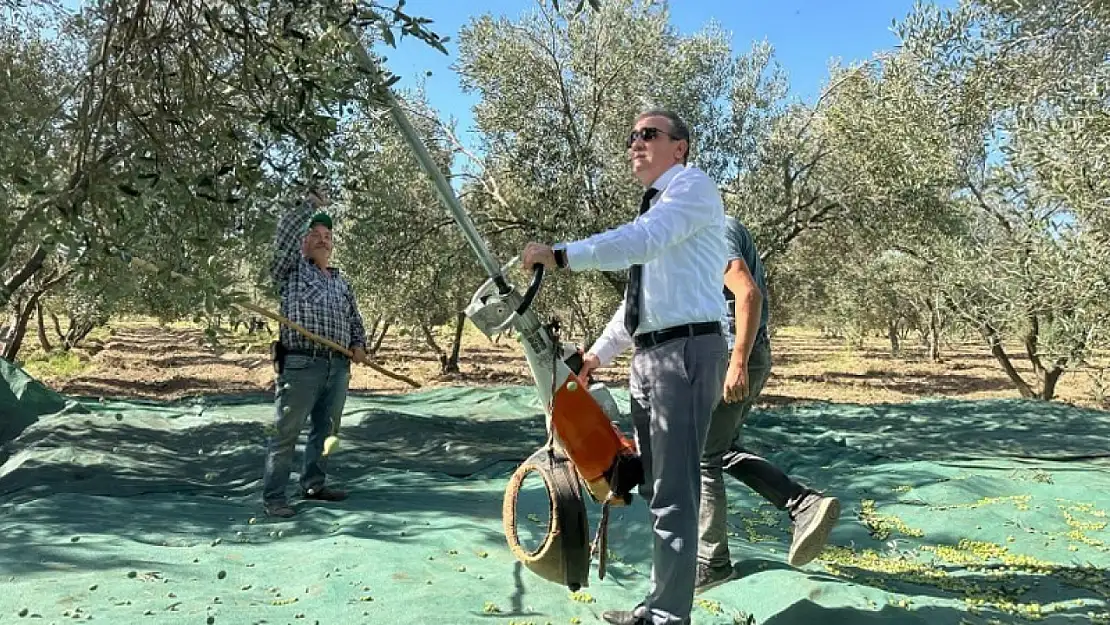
(152, 268)
(327, 342)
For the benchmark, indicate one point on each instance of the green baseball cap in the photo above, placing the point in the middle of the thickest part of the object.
(320, 218)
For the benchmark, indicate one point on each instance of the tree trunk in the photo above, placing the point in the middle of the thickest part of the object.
(892, 333)
(1031, 341)
(71, 331)
(934, 333)
(430, 339)
(1048, 391)
(58, 327)
(45, 342)
(11, 350)
(29, 269)
(77, 333)
(29, 215)
(934, 345)
(617, 282)
(372, 331)
(579, 318)
(9, 328)
(1047, 377)
(452, 364)
(854, 337)
(904, 332)
(995, 343)
(377, 341)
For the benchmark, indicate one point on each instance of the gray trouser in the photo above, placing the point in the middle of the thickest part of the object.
(674, 388)
(723, 453)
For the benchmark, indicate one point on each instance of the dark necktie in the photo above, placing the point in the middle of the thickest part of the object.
(635, 278)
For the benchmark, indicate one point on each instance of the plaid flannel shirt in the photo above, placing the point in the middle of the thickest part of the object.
(320, 302)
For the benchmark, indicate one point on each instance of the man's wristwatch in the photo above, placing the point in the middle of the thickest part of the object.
(560, 257)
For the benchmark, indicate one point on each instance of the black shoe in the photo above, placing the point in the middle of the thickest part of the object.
(624, 617)
(325, 494)
(712, 576)
(814, 519)
(280, 510)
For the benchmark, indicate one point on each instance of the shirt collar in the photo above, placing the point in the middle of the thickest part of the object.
(308, 261)
(665, 179)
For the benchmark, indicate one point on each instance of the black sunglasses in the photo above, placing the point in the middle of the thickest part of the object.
(647, 134)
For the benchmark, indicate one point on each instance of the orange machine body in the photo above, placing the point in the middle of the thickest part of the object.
(590, 439)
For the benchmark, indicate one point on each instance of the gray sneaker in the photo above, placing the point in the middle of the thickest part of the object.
(814, 519)
(712, 576)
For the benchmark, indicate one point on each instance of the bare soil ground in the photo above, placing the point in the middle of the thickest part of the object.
(148, 360)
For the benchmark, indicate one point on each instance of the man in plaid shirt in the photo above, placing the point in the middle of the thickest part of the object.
(312, 379)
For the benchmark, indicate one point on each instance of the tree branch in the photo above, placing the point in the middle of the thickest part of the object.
(818, 217)
(828, 91)
(987, 207)
(30, 268)
(24, 222)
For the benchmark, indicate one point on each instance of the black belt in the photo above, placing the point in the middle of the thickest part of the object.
(650, 339)
(278, 352)
(318, 352)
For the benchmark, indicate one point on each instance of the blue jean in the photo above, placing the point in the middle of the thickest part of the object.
(308, 387)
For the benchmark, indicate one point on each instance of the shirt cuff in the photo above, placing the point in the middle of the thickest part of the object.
(560, 256)
(579, 255)
(607, 351)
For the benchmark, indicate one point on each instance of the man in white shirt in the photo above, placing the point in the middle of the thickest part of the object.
(675, 251)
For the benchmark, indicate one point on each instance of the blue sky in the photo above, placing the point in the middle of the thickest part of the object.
(806, 35)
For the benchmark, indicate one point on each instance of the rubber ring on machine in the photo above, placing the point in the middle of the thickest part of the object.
(563, 556)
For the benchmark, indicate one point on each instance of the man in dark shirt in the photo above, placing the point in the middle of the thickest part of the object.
(749, 367)
(312, 379)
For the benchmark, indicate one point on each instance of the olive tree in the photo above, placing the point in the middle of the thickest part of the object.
(158, 131)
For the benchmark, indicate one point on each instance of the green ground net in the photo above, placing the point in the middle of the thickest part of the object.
(136, 512)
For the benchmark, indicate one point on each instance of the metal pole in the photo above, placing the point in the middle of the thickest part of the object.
(443, 189)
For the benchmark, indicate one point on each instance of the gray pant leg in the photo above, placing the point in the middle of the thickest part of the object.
(679, 384)
(640, 393)
(759, 474)
(724, 454)
(712, 523)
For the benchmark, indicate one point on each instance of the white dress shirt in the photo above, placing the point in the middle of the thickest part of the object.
(680, 242)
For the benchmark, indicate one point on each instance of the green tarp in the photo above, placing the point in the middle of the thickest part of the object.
(142, 512)
(23, 400)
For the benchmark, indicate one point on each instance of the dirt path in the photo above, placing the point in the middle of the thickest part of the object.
(146, 360)
(152, 362)
(149, 361)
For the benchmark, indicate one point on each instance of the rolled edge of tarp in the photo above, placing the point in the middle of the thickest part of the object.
(563, 557)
